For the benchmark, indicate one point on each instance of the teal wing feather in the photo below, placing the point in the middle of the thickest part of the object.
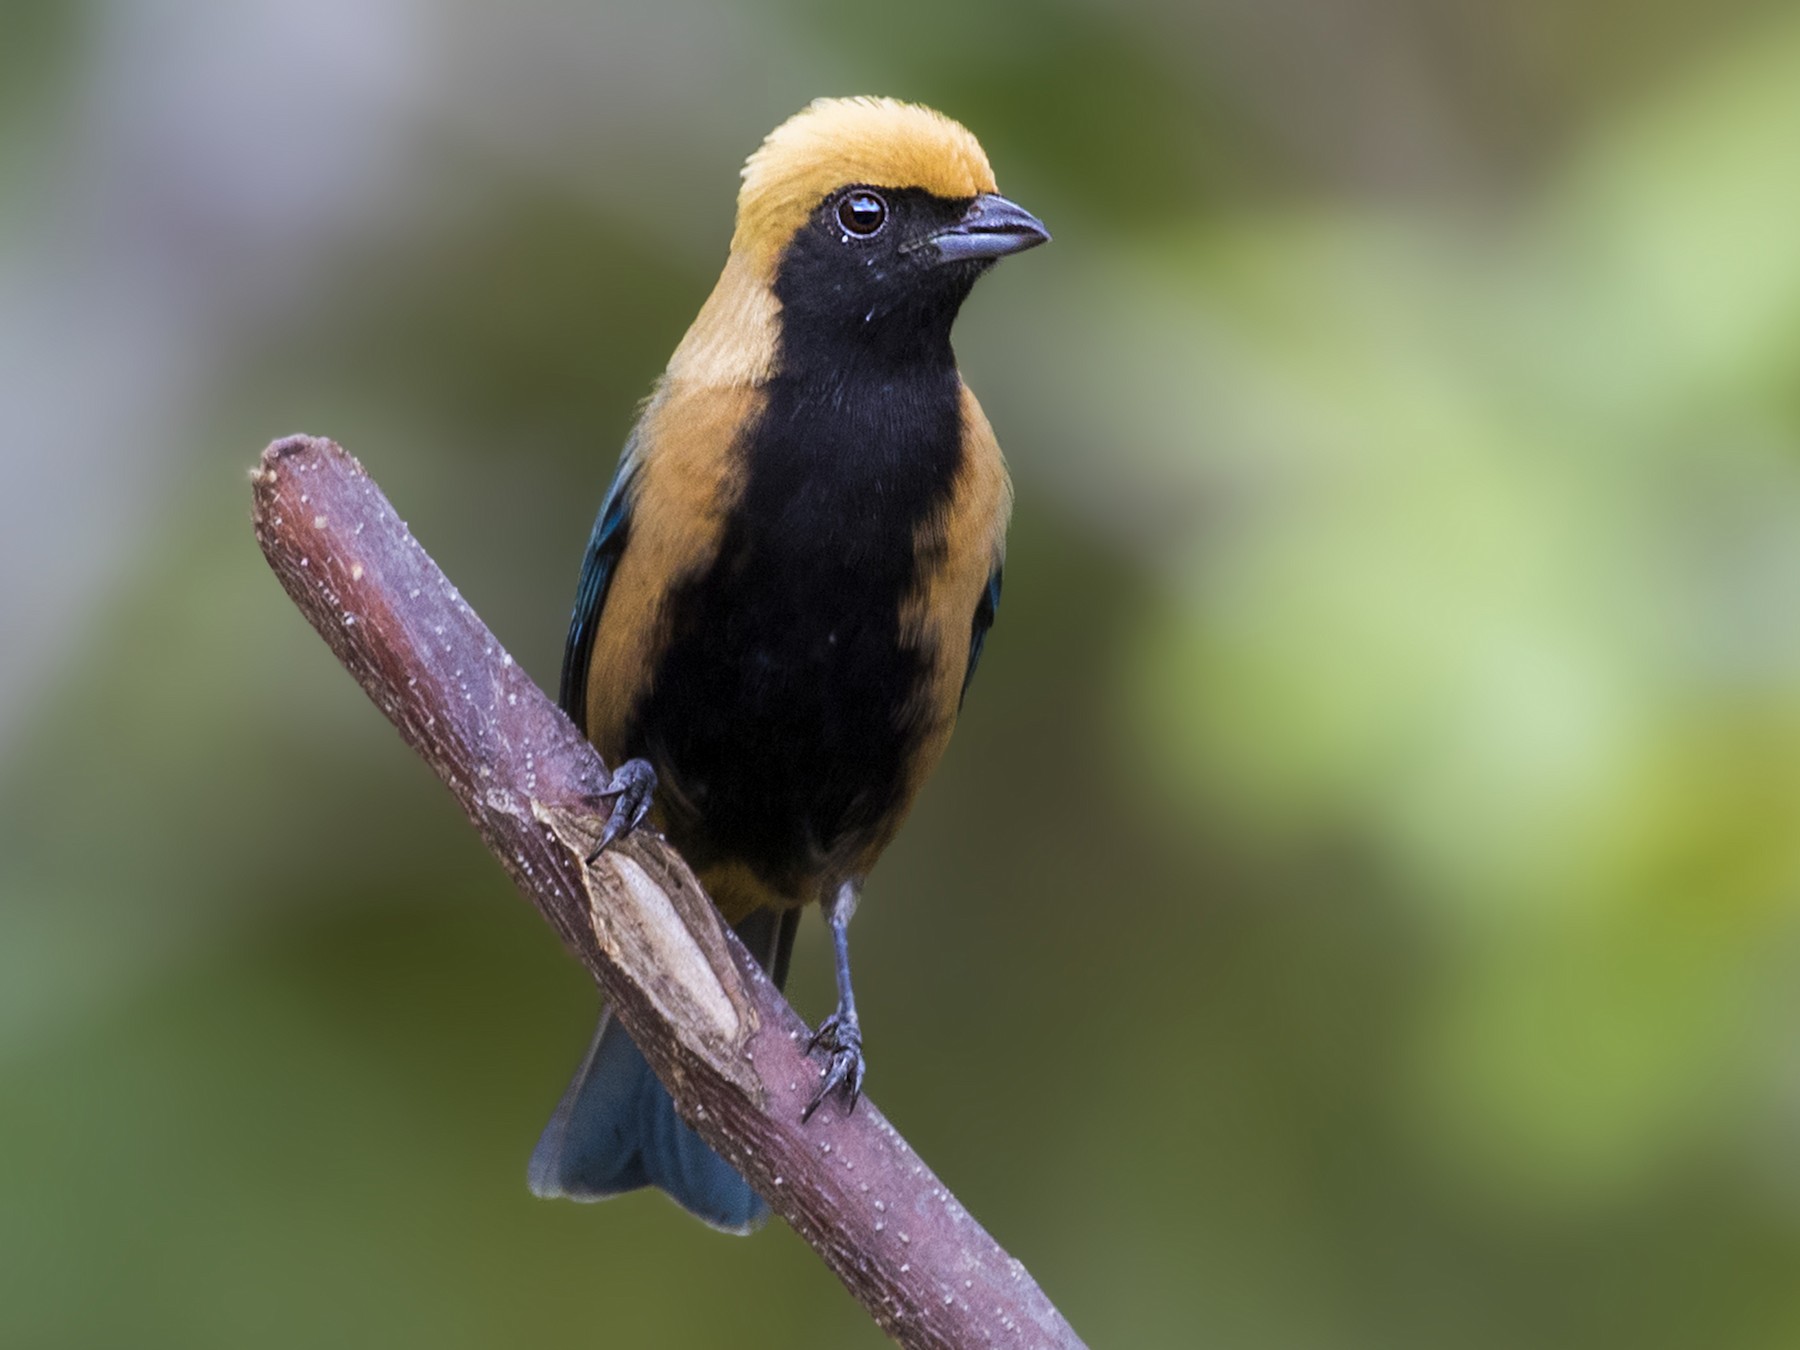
(985, 610)
(611, 530)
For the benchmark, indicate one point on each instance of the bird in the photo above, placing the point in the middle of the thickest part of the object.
(789, 584)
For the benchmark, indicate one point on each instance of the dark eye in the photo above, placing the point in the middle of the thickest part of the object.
(862, 212)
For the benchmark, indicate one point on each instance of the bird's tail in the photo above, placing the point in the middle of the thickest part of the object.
(616, 1128)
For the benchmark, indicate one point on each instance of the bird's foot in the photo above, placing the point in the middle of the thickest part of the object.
(840, 1036)
(630, 789)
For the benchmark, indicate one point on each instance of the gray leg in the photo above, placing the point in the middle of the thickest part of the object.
(840, 1035)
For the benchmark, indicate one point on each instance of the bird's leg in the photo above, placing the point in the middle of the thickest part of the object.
(631, 786)
(840, 1035)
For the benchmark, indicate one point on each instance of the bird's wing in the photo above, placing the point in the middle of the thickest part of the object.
(605, 545)
(985, 610)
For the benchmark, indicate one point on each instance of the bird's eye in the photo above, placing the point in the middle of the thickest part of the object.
(862, 212)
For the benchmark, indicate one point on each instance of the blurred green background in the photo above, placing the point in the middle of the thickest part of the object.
(1404, 594)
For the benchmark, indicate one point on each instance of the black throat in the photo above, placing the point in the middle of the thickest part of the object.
(880, 302)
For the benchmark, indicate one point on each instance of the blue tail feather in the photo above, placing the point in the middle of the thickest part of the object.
(616, 1130)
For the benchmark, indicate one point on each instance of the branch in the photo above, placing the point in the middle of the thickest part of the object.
(717, 1033)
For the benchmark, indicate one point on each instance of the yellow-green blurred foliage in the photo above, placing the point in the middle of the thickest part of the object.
(1362, 906)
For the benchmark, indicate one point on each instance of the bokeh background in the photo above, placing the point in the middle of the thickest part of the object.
(1362, 905)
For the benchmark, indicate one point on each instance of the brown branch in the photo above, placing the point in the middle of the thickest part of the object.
(714, 1029)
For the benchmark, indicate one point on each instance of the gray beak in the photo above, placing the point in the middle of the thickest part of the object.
(991, 228)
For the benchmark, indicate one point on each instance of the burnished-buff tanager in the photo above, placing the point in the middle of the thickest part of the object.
(788, 586)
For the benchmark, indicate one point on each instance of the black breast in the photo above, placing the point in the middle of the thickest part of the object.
(779, 714)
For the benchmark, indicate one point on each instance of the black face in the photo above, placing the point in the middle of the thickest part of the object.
(864, 275)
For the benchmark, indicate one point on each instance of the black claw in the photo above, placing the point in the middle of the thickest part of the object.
(841, 1037)
(631, 788)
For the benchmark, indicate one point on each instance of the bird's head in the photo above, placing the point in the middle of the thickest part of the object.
(861, 224)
